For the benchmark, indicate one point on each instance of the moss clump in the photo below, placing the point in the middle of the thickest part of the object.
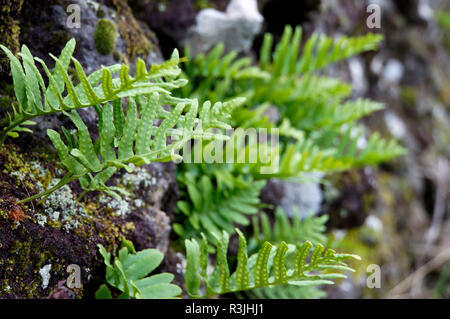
(105, 36)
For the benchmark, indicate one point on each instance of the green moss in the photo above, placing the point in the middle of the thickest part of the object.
(116, 56)
(100, 13)
(105, 36)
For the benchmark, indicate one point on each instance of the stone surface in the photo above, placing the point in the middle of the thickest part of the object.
(236, 27)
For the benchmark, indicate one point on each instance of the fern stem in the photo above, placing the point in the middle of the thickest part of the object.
(82, 195)
(65, 180)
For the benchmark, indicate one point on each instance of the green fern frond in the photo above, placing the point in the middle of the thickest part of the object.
(350, 146)
(35, 98)
(318, 52)
(310, 228)
(329, 113)
(133, 139)
(217, 73)
(267, 268)
(128, 273)
(215, 203)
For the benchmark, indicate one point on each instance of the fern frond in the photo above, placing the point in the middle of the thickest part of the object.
(318, 52)
(267, 268)
(215, 203)
(217, 73)
(330, 113)
(132, 139)
(310, 228)
(35, 98)
(351, 147)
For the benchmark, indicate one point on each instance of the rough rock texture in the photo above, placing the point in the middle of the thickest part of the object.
(306, 197)
(61, 231)
(39, 240)
(45, 28)
(171, 20)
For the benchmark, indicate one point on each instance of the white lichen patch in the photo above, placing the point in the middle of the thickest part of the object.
(139, 203)
(41, 171)
(139, 178)
(45, 274)
(61, 206)
(120, 207)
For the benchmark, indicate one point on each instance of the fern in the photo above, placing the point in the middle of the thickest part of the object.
(346, 143)
(319, 51)
(314, 106)
(298, 230)
(217, 74)
(35, 98)
(286, 229)
(128, 273)
(267, 268)
(132, 139)
(216, 202)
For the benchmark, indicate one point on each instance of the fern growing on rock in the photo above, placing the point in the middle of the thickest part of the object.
(269, 267)
(132, 138)
(123, 140)
(317, 106)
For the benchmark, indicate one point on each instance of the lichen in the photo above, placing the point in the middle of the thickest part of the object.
(105, 36)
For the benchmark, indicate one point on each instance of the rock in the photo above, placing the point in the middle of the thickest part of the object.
(152, 229)
(62, 292)
(45, 28)
(171, 20)
(306, 196)
(236, 27)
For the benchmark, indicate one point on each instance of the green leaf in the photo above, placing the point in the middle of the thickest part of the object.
(103, 293)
